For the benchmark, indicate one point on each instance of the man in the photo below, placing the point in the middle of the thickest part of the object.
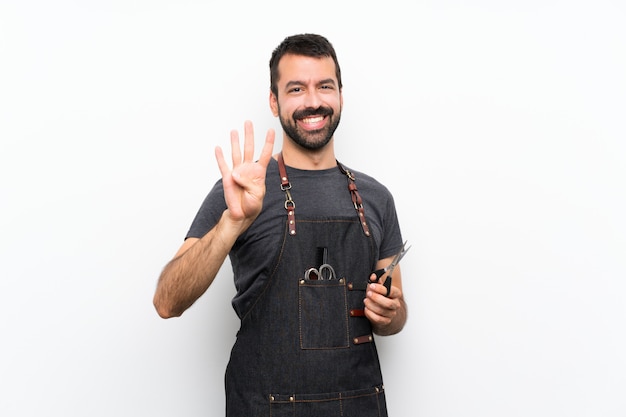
(303, 234)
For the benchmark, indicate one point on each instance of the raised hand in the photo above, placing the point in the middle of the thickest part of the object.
(244, 184)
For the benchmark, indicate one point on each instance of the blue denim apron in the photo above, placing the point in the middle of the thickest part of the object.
(305, 348)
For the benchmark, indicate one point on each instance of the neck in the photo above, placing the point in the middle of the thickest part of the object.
(300, 158)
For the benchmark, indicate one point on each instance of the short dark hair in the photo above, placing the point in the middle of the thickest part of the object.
(306, 44)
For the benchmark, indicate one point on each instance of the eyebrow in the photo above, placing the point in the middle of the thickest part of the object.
(296, 83)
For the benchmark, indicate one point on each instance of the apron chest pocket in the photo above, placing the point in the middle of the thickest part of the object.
(323, 314)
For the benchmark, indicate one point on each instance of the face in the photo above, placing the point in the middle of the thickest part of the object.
(309, 100)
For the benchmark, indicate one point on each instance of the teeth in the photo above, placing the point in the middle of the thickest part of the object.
(313, 119)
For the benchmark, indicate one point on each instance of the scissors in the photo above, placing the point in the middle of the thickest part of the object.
(325, 271)
(389, 268)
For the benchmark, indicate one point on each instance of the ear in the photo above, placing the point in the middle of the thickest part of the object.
(274, 104)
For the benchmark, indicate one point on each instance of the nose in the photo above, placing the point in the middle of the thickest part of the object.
(312, 99)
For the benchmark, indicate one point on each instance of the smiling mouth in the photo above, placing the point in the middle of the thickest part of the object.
(312, 120)
(312, 123)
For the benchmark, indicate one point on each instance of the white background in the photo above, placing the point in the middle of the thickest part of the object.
(498, 126)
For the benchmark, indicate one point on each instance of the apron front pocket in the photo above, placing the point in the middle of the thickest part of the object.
(369, 402)
(323, 314)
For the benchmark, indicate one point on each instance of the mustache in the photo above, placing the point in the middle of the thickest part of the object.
(310, 111)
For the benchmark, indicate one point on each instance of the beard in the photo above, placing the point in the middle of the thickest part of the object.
(310, 139)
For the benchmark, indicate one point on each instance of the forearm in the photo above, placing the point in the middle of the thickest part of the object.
(186, 277)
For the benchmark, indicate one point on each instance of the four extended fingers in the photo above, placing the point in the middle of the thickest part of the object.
(266, 152)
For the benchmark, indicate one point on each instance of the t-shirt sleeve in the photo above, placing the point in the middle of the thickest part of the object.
(209, 213)
(392, 236)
